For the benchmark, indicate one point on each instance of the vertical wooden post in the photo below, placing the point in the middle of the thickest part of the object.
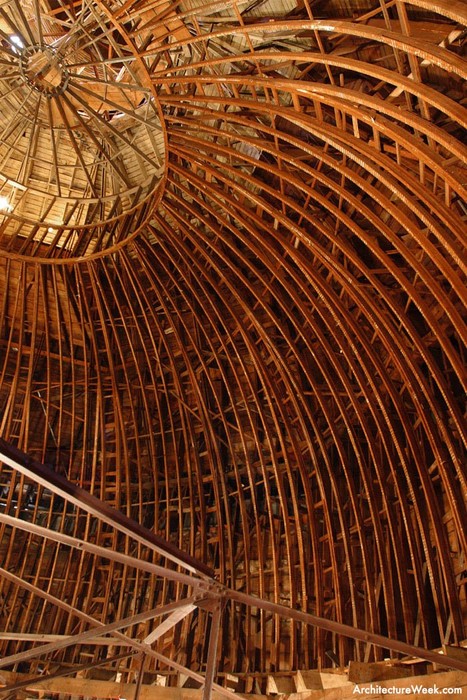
(211, 665)
(139, 679)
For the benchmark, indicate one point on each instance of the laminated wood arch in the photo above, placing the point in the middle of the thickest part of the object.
(232, 277)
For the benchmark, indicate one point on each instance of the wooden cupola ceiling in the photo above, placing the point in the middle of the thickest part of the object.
(232, 340)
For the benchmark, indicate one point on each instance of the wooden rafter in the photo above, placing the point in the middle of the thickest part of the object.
(232, 322)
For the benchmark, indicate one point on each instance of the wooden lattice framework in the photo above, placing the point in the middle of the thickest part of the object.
(232, 278)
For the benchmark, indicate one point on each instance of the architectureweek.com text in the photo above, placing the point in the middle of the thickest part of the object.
(413, 689)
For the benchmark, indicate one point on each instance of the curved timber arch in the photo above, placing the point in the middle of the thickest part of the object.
(232, 326)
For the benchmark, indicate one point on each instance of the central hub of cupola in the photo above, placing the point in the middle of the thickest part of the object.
(82, 153)
(43, 68)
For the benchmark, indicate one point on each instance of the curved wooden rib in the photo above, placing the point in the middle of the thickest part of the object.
(263, 362)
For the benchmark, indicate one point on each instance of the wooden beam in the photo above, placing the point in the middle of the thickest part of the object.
(108, 689)
(380, 671)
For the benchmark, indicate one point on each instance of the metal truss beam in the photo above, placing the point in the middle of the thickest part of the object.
(83, 499)
(58, 484)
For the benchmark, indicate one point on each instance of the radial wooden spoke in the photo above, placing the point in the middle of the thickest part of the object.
(118, 106)
(53, 142)
(104, 62)
(14, 88)
(104, 126)
(7, 51)
(38, 23)
(121, 86)
(100, 146)
(76, 147)
(13, 25)
(26, 25)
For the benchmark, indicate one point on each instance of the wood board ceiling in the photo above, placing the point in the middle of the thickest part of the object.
(232, 276)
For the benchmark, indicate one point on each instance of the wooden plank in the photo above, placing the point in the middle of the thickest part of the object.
(455, 652)
(105, 689)
(367, 672)
(308, 680)
(281, 685)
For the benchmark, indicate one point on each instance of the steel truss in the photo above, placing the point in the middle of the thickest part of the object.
(207, 593)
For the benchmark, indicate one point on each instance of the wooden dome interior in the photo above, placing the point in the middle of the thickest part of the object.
(232, 308)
